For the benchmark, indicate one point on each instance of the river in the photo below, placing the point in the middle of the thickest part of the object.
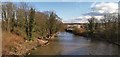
(70, 44)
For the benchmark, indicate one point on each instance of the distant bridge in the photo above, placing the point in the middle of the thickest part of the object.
(71, 26)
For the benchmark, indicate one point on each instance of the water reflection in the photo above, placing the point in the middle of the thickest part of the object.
(69, 44)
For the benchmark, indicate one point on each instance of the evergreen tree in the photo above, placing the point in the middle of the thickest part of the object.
(31, 23)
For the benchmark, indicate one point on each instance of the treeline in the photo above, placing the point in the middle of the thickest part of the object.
(107, 28)
(22, 19)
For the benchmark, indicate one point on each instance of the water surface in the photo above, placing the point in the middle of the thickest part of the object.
(69, 44)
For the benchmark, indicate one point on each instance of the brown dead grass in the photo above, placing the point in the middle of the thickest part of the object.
(13, 44)
(10, 42)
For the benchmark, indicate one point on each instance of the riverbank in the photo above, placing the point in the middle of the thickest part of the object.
(85, 34)
(13, 44)
(116, 43)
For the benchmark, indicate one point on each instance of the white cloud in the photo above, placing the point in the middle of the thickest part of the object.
(84, 19)
(105, 7)
(99, 9)
(93, 4)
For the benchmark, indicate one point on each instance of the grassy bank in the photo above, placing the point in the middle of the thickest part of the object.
(13, 44)
(103, 35)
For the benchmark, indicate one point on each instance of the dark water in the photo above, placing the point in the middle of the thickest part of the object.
(69, 44)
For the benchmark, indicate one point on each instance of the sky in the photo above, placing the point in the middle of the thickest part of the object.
(65, 10)
(78, 12)
(61, 0)
(73, 10)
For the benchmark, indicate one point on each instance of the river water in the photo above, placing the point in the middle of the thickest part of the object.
(69, 44)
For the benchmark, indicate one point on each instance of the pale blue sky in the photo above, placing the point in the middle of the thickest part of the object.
(62, 0)
(65, 10)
